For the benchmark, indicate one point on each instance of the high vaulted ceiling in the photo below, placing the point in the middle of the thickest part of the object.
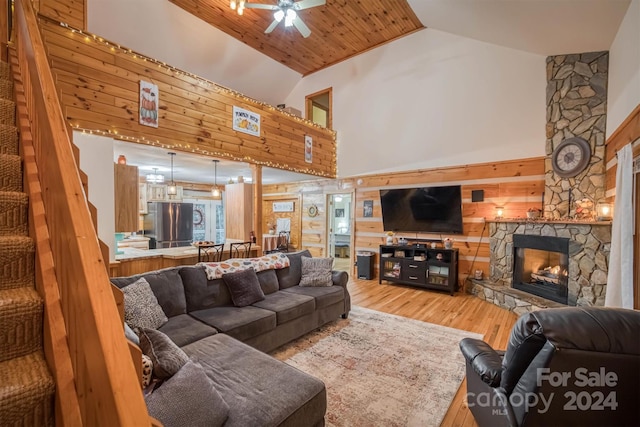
(340, 29)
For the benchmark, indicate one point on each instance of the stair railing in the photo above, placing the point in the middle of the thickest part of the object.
(106, 382)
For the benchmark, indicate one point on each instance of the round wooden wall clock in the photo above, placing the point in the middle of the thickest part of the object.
(312, 211)
(571, 157)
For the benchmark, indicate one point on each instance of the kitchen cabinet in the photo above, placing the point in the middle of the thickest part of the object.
(126, 197)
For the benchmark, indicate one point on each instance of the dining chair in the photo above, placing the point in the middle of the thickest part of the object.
(240, 249)
(210, 253)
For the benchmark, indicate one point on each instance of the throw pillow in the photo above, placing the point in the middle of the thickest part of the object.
(244, 287)
(147, 370)
(141, 308)
(316, 271)
(189, 398)
(166, 356)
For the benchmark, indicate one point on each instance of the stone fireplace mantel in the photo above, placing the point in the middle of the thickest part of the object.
(589, 243)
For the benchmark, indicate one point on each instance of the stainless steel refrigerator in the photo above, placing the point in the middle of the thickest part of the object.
(169, 224)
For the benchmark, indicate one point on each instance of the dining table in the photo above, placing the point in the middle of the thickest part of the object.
(269, 242)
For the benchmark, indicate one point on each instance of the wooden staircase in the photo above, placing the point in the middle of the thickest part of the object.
(26, 386)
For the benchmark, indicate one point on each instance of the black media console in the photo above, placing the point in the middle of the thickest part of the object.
(418, 265)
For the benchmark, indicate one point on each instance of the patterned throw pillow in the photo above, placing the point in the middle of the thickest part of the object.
(166, 356)
(141, 308)
(147, 370)
(244, 287)
(316, 271)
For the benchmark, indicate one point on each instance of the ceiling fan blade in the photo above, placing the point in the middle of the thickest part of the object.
(271, 27)
(306, 4)
(302, 27)
(260, 6)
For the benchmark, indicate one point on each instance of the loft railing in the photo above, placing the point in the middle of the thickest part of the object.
(71, 273)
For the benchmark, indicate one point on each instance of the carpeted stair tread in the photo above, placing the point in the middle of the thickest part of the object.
(26, 392)
(5, 71)
(13, 213)
(20, 322)
(10, 173)
(17, 263)
(6, 89)
(7, 112)
(8, 139)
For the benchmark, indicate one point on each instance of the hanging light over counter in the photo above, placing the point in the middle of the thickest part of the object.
(172, 189)
(155, 177)
(216, 193)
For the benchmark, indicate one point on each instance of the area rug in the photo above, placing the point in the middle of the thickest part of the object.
(381, 369)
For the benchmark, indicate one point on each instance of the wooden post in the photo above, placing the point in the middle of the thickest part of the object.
(256, 176)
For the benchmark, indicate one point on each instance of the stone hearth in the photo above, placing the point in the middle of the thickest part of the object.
(589, 247)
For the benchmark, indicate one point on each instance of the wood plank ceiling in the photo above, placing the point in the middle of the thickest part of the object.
(340, 29)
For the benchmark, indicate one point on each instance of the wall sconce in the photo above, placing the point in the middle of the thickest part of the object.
(604, 211)
(499, 212)
(172, 190)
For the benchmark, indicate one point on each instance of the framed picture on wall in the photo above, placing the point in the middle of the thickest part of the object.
(367, 209)
(339, 213)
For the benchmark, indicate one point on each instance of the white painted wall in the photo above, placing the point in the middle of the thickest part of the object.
(624, 69)
(96, 160)
(163, 31)
(433, 99)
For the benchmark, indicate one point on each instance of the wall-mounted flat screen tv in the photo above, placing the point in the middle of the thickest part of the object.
(422, 210)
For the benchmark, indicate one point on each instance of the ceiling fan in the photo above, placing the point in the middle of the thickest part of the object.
(285, 9)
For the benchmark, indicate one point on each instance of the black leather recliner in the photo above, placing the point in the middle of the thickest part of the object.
(574, 366)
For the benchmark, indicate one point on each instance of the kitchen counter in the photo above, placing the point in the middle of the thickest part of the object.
(135, 261)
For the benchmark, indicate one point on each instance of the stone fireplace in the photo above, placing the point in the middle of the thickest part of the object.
(586, 247)
(562, 258)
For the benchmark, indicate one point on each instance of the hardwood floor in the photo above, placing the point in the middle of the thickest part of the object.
(461, 311)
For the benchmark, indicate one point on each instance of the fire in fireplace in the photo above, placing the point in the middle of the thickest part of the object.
(541, 265)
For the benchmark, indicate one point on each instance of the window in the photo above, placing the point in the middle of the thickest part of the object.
(318, 107)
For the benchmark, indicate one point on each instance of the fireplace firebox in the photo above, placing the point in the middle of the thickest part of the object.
(541, 266)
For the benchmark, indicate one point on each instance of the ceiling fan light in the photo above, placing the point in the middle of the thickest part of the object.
(291, 16)
(278, 15)
(232, 4)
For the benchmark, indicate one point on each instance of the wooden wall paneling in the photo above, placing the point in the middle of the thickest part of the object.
(516, 184)
(271, 217)
(99, 85)
(126, 199)
(239, 211)
(72, 12)
(627, 132)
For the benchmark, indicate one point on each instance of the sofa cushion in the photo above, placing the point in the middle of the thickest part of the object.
(240, 322)
(260, 390)
(166, 356)
(325, 296)
(268, 281)
(184, 329)
(290, 276)
(189, 398)
(141, 308)
(287, 305)
(316, 272)
(166, 285)
(244, 287)
(202, 293)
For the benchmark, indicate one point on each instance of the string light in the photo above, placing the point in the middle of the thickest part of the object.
(206, 85)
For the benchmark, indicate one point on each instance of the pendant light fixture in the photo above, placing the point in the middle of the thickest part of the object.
(155, 177)
(172, 190)
(215, 190)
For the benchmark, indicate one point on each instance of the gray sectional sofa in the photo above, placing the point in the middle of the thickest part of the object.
(228, 341)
